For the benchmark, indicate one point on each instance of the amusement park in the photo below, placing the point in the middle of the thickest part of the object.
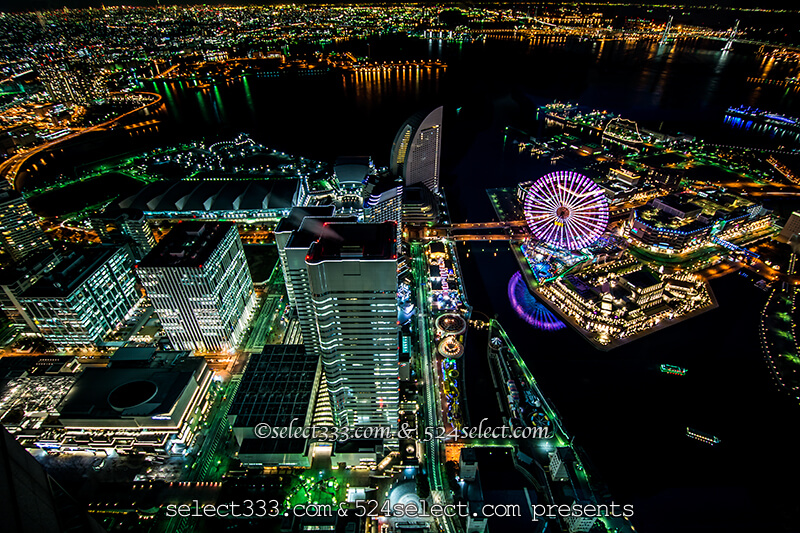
(588, 264)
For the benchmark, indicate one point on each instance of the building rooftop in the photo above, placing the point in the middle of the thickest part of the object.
(678, 202)
(276, 388)
(565, 454)
(380, 183)
(74, 269)
(641, 279)
(188, 244)
(140, 357)
(113, 393)
(297, 214)
(417, 195)
(348, 240)
(352, 169)
(468, 455)
(437, 247)
(133, 354)
(116, 213)
(29, 266)
(9, 195)
(211, 195)
(656, 218)
(257, 446)
(313, 228)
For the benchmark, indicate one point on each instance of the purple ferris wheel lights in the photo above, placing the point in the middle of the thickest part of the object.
(529, 308)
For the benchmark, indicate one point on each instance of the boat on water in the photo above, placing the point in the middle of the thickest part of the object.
(745, 117)
(674, 370)
(702, 437)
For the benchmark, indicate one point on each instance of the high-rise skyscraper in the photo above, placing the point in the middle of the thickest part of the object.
(126, 226)
(294, 235)
(20, 232)
(18, 278)
(416, 150)
(284, 231)
(352, 276)
(199, 283)
(84, 297)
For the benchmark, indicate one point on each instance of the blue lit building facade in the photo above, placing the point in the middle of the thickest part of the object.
(86, 296)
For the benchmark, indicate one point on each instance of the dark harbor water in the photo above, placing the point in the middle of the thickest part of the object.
(629, 417)
(684, 86)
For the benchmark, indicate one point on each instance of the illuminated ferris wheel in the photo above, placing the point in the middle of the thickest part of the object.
(566, 209)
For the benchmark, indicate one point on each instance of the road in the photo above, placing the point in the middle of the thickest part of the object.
(205, 466)
(431, 408)
(216, 433)
(11, 167)
(267, 320)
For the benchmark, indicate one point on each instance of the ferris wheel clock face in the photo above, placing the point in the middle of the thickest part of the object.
(566, 210)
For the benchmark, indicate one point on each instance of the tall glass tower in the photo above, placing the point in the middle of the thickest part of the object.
(416, 150)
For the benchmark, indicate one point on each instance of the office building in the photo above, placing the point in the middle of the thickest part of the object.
(792, 226)
(468, 464)
(199, 283)
(420, 207)
(416, 150)
(20, 233)
(294, 236)
(560, 461)
(84, 297)
(580, 524)
(284, 232)
(18, 278)
(352, 274)
(128, 226)
(383, 201)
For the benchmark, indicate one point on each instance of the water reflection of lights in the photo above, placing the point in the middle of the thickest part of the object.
(530, 309)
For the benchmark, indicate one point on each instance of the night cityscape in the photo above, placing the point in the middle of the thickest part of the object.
(399, 267)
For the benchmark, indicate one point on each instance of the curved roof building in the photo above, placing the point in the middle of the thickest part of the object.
(215, 199)
(417, 149)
